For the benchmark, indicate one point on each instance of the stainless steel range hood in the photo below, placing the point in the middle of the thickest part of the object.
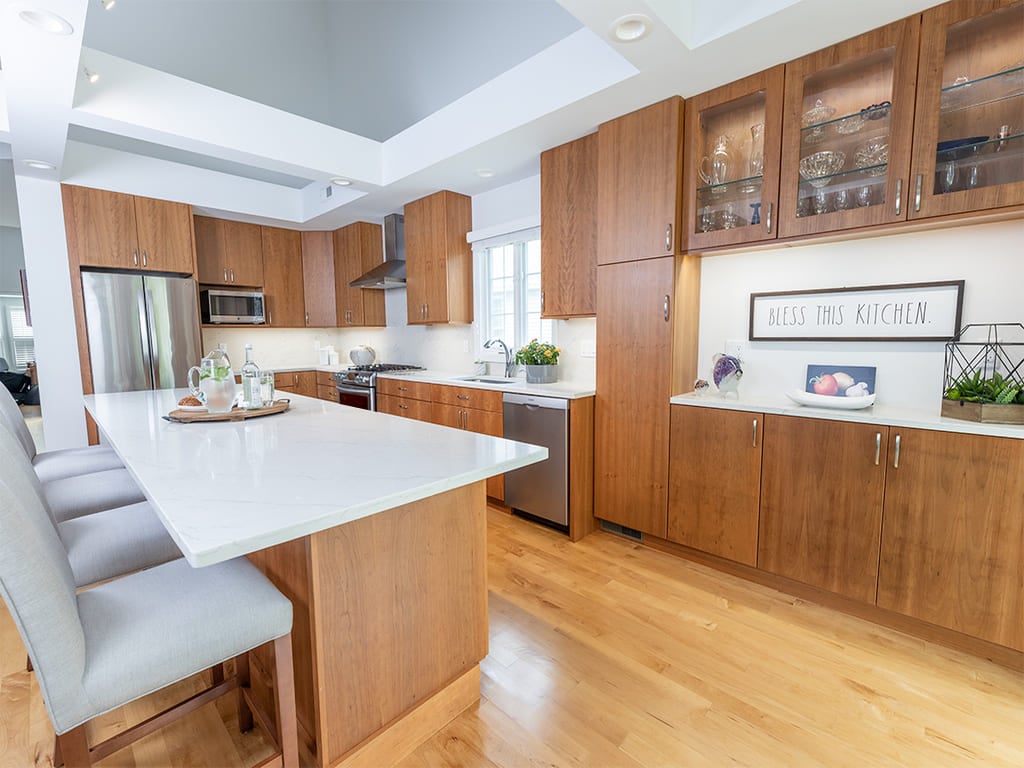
(390, 274)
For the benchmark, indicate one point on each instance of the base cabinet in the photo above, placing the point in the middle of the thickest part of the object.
(715, 481)
(953, 536)
(298, 382)
(821, 503)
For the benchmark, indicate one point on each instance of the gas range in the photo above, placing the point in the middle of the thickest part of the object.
(366, 375)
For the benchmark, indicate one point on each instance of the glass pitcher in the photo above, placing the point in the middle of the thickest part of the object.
(215, 384)
(719, 161)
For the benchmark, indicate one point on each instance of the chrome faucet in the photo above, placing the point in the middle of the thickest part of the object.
(508, 355)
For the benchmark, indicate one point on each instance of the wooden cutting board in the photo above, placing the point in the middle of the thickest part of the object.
(235, 414)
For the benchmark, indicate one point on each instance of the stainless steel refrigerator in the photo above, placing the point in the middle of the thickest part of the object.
(143, 330)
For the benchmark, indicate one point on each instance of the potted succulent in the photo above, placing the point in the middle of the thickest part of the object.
(541, 361)
(984, 378)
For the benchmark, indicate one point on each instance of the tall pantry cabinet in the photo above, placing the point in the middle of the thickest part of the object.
(647, 313)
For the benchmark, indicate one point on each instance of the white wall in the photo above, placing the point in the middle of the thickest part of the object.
(12, 259)
(989, 257)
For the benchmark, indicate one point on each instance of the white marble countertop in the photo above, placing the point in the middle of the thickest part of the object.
(565, 389)
(225, 489)
(876, 414)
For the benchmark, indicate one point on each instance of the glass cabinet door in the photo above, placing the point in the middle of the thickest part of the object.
(969, 129)
(847, 132)
(733, 140)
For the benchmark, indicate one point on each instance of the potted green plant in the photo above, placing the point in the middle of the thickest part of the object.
(541, 361)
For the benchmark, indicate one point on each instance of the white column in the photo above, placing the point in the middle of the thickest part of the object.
(53, 317)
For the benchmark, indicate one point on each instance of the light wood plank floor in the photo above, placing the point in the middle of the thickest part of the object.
(604, 653)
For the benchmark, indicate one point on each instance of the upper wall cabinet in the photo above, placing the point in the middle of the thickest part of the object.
(969, 126)
(640, 163)
(109, 229)
(438, 260)
(282, 277)
(847, 133)
(318, 279)
(568, 231)
(358, 248)
(731, 176)
(229, 252)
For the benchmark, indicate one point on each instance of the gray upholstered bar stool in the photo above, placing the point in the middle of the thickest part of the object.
(101, 649)
(103, 545)
(75, 481)
(53, 465)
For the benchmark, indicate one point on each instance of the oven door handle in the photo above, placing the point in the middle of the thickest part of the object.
(351, 390)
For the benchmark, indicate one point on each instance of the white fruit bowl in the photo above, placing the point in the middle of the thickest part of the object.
(831, 401)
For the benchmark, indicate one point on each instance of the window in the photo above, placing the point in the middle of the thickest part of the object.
(18, 345)
(510, 289)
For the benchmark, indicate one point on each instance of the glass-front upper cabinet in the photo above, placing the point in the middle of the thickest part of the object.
(847, 132)
(969, 127)
(733, 143)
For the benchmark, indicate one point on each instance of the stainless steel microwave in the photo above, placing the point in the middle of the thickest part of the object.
(220, 305)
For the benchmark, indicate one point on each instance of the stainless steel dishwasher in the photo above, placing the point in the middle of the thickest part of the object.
(541, 489)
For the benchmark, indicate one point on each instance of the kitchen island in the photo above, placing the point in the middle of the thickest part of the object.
(374, 527)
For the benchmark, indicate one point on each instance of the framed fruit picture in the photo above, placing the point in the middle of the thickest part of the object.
(840, 380)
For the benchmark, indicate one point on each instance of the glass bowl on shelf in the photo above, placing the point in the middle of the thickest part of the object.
(814, 116)
(873, 155)
(850, 124)
(819, 167)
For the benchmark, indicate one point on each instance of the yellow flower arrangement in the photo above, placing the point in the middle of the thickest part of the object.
(538, 353)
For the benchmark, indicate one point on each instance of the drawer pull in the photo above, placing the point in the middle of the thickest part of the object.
(404, 407)
(403, 389)
(668, 237)
(462, 397)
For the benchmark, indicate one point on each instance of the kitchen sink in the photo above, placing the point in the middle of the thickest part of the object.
(485, 379)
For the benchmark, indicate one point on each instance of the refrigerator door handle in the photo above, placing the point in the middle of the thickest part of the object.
(154, 347)
(145, 337)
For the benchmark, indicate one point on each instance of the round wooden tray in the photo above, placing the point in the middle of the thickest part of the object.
(235, 414)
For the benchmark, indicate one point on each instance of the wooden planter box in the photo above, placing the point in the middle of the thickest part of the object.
(989, 413)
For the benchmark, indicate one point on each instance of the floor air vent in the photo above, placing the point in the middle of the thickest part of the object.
(621, 530)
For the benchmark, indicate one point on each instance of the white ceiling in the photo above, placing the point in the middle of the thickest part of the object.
(247, 108)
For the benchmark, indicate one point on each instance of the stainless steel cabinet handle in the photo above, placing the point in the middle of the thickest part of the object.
(666, 306)
(878, 447)
(307, 318)
(542, 302)
(899, 196)
(232, 271)
(225, 274)
(135, 256)
(404, 407)
(145, 258)
(754, 437)
(668, 237)
(403, 389)
(896, 457)
(463, 397)
(768, 218)
(270, 317)
(917, 192)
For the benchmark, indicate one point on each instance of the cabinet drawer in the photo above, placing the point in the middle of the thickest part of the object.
(404, 406)
(467, 397)
(325, 392)
(325, 379)
(417, 390)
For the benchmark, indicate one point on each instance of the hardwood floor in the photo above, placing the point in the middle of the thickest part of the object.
(605, 653)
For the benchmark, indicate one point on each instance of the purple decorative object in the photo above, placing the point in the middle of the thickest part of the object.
(726, 373)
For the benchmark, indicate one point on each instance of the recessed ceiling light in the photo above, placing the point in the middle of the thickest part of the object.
(629, 29)
(46, 21)
(341, 182)
(108, 4)
(92, 77)
(485, 173)
(40, 165)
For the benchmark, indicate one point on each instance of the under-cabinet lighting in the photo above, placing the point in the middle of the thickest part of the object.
(40, 165)
(630, 28)
(46, 21)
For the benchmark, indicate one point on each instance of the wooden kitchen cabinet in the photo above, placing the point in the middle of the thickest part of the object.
(282, 277)
(318, 279)
(731, 165)
(715, 481)
(568, 231)
(646, 352)
(856, 101)
(358, 248)
(109, 229)
(412, 399)
(326, 388)
(476, 410)
(639, 183)
(229, 252)
(970, 106)
(952, 548)
(438, 260)
(299, 382)
(821, 503)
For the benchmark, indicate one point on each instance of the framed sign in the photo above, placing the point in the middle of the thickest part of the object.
(909, 312)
